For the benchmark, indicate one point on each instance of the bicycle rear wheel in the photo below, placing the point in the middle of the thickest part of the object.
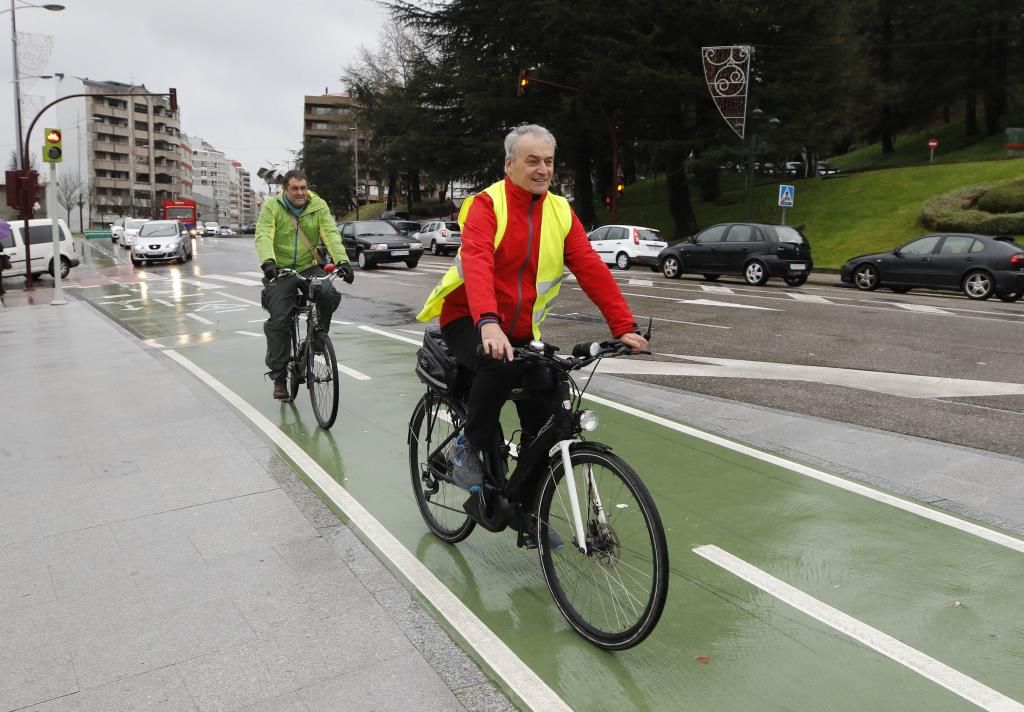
(614, 594)
(431, 437)
(322, 378)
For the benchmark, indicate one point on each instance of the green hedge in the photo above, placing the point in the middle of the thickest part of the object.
(1008, 198)
(962, 210)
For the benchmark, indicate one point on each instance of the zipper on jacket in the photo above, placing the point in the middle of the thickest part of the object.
(526, 263)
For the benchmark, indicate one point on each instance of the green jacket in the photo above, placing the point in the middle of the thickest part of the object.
(278, 240)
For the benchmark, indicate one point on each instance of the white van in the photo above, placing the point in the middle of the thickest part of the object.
(41, 236)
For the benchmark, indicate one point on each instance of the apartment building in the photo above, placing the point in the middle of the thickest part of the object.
(333, 117)
(211, 178)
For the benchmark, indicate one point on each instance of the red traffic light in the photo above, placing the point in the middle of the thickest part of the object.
(524, 80)
(53, 136)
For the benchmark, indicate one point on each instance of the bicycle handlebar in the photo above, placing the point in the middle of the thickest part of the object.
(332, 274)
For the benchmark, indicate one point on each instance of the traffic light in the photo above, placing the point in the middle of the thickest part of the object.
(523, 82)
(620, 187)
(52, 150)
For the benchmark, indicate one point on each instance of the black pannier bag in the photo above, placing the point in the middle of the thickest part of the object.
(435, 366)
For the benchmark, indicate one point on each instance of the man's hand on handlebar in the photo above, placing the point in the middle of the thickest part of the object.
(269, 270)
(345, 270)
(495, 343)
(634, 341)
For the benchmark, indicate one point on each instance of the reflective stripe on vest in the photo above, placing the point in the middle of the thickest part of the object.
(556, 221)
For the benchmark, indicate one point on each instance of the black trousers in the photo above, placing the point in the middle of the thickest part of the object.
(279, 298)
(493, 380)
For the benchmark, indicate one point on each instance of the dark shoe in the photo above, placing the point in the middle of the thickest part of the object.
(528, 540)
(467, 470)
(281, 390)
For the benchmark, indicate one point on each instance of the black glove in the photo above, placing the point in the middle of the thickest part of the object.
(346, 272)
(269, 270)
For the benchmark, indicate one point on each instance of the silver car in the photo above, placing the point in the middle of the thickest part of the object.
(162, 240)
(440, 237)
(131, 229)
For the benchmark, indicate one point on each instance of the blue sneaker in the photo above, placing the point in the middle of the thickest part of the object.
(468, 469)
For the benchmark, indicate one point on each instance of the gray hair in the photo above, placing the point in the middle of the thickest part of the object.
(512, 140)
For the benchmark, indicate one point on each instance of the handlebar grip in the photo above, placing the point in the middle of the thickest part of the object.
(329, 267)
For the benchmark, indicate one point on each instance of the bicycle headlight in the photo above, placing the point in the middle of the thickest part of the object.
(588, 420)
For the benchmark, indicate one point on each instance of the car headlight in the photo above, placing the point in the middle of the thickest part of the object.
(192, 233)
(415, 245)
(379, 246)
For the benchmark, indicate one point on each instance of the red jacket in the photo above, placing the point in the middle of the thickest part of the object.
(497, 281)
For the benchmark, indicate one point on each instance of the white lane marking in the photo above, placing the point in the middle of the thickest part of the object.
(336, 321)
(198, 318)
(240, 299)
(358, 375)
(991, 535)
(898, 384)
(203, 285)
(641, 283)
(248, 333)
(701, 302)
(258, 275)
(922, 308)
(692, 323)
(928, 667)
(412, 331)
(713, 289)
(406, 339)
(164, 302)
(234, 280)
(809, 298)
(153, 343)
(533, 691)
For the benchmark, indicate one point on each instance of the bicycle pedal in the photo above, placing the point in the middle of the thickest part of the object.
(524, 540)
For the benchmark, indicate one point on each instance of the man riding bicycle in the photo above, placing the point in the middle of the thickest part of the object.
(517, 238)
(291, 226)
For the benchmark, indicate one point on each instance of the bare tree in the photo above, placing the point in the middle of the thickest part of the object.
(69, 189)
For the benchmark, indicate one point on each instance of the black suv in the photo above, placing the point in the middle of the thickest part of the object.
(756, 251)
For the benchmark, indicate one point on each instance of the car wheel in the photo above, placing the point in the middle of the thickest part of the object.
(755, 273)
(978, 285)
(180, 259)
(622, 261)
(362, 261)
(65, 267)
(434, 249)
(191, 252)
(136, 263)
(412, 263)
(900, 290)
(795, 280)
(865, 278)
(1011, 296)
(672, 267)
(712, 277)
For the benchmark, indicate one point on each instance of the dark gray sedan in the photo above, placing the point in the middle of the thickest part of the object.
(370, 242)
(979, 265)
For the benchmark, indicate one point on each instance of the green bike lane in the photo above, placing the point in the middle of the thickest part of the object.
(722, 643)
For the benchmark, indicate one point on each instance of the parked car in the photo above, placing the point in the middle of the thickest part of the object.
(626, 245)
(977, 264)
(40, 233)
(394, 215)
(406, 227)
(226, 232)
(249, 229)
(824, 169)
(756, 251)
(371, 242)
(160, 240)
(131, 229)
(440, 237)
(116, 228)
(212, 229)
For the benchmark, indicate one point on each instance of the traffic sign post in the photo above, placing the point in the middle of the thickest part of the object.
(786, 197)
(933, 143)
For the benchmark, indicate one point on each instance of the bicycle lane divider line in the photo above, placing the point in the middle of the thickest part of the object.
(515, 674)
(198, 318)
(949, 520)
(953, 680)
(381, 332)
(351, 372)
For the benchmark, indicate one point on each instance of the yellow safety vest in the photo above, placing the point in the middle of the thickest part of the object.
(556, 221)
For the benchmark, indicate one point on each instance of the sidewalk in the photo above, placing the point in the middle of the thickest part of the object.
(156, 554)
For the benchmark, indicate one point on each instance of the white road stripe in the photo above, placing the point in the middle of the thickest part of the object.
(388, 334)
(154, 343)
(164, 302)
(358, 375)
(258, 275)
(700, 302)
(203, 285)
(234, 280)
(953, 680)
(922, 308)
(810, 298)
(335, 321)
(248, 333)
(198, 318)
(533, 691)
(641, 283)
(241, 299)
(715, 289)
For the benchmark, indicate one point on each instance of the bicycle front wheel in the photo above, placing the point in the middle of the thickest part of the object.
(613, 594)
(322, 378)
(432, 429)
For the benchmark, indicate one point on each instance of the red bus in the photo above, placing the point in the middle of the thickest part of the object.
(183, 210)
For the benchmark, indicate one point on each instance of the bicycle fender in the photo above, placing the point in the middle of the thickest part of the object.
(579, 446)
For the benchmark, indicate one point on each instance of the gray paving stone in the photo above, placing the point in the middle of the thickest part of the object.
(26, 588)
(484, 698)
(35, 657)
(355, 637)
(286, 703)
(374, 575)
(157, 691)
(275, 514)
(404, 683)
(57, 549)
(228, 679)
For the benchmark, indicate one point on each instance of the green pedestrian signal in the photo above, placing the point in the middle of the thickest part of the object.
(52, 151)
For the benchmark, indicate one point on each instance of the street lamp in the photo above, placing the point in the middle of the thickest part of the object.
(355, 142)
(52, 7)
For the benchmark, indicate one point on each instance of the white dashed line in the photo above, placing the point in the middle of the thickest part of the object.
(248, 333)
(198, 318)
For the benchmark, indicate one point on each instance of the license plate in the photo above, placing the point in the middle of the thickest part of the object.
(399, 253)
(797, 268)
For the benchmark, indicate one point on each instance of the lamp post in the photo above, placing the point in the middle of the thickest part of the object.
(355, 143)
(755, 115)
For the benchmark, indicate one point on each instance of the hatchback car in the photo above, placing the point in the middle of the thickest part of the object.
(160, 240)
(371, 242)
(131, 229)
(977, 264)
(440, 237)
(626, 245)
(756, 251)
(406, 227)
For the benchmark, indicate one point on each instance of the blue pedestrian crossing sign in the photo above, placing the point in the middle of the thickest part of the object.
(786, 193)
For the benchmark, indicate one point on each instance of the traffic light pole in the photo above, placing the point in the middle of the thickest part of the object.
(26, 207)
(611, 133)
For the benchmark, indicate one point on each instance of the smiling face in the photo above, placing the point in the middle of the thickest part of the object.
(297, 191)
(533, 164)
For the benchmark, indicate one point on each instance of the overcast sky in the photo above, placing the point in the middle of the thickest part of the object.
(241, 67)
